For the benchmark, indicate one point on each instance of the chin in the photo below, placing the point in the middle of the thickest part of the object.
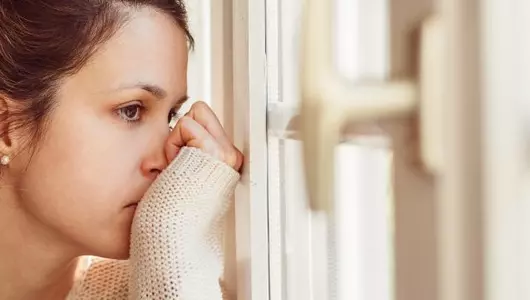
(123, 254)
(118, 246)
(112, 246)
(113, 242)
(113, 252)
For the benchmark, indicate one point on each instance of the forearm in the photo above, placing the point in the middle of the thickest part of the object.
(177, 234)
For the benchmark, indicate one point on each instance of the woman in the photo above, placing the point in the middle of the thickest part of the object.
(89, 166)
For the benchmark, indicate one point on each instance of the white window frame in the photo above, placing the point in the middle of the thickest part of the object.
(227, 70)
(249, 128)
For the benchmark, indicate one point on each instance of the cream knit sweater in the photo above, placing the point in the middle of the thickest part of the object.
(176, 238)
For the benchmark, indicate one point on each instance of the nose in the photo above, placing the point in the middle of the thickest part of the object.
(155, 160)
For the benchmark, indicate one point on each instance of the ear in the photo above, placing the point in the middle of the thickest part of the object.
(8, 143)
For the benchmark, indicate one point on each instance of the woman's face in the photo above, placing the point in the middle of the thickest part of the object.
(104, 144)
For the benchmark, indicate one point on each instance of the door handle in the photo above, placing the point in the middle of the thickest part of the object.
(329, 103)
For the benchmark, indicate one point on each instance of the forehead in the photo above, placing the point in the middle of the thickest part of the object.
(149, 47)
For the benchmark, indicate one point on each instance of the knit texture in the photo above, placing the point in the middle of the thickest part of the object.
(176, 237)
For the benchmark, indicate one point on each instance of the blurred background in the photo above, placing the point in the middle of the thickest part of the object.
(386, 145)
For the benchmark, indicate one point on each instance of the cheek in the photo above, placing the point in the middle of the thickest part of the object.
(90, 164)
(80, 178)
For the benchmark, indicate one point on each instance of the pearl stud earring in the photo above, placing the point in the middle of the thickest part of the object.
(5, 160)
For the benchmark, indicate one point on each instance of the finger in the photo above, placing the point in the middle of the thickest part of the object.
(189, 133)
(238, 161)
(205, 116)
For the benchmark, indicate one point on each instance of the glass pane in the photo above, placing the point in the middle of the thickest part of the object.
(363, 223)
(347, 256)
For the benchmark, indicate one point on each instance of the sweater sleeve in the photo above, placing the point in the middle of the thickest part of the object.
(177, 233)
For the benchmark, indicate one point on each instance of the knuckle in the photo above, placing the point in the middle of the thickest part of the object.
(200, 106)
(184, 119)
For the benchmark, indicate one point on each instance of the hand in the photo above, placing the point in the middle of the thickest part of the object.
(201, 129)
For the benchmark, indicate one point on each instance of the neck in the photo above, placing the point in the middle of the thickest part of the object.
(33, 264)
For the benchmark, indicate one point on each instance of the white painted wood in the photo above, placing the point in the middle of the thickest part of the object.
(363, 215)
(300, 265)
(298, 247)
(221, 61)
(506, 56)
(276, 217)
(199, 71)
(361, 34)
(278, 257)
(249, 124)
(363, 224)
(220, 91)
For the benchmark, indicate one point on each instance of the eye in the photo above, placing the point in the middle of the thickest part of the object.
(130, 113)
(173, 117)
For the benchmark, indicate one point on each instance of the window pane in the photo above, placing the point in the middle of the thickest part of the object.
(348, 256)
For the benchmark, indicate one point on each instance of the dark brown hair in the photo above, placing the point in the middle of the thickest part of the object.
(44, 41)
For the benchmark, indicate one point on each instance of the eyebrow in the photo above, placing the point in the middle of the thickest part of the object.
(153, 89)
(156, 90)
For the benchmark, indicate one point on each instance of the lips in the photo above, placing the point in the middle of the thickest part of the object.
(132, 205)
